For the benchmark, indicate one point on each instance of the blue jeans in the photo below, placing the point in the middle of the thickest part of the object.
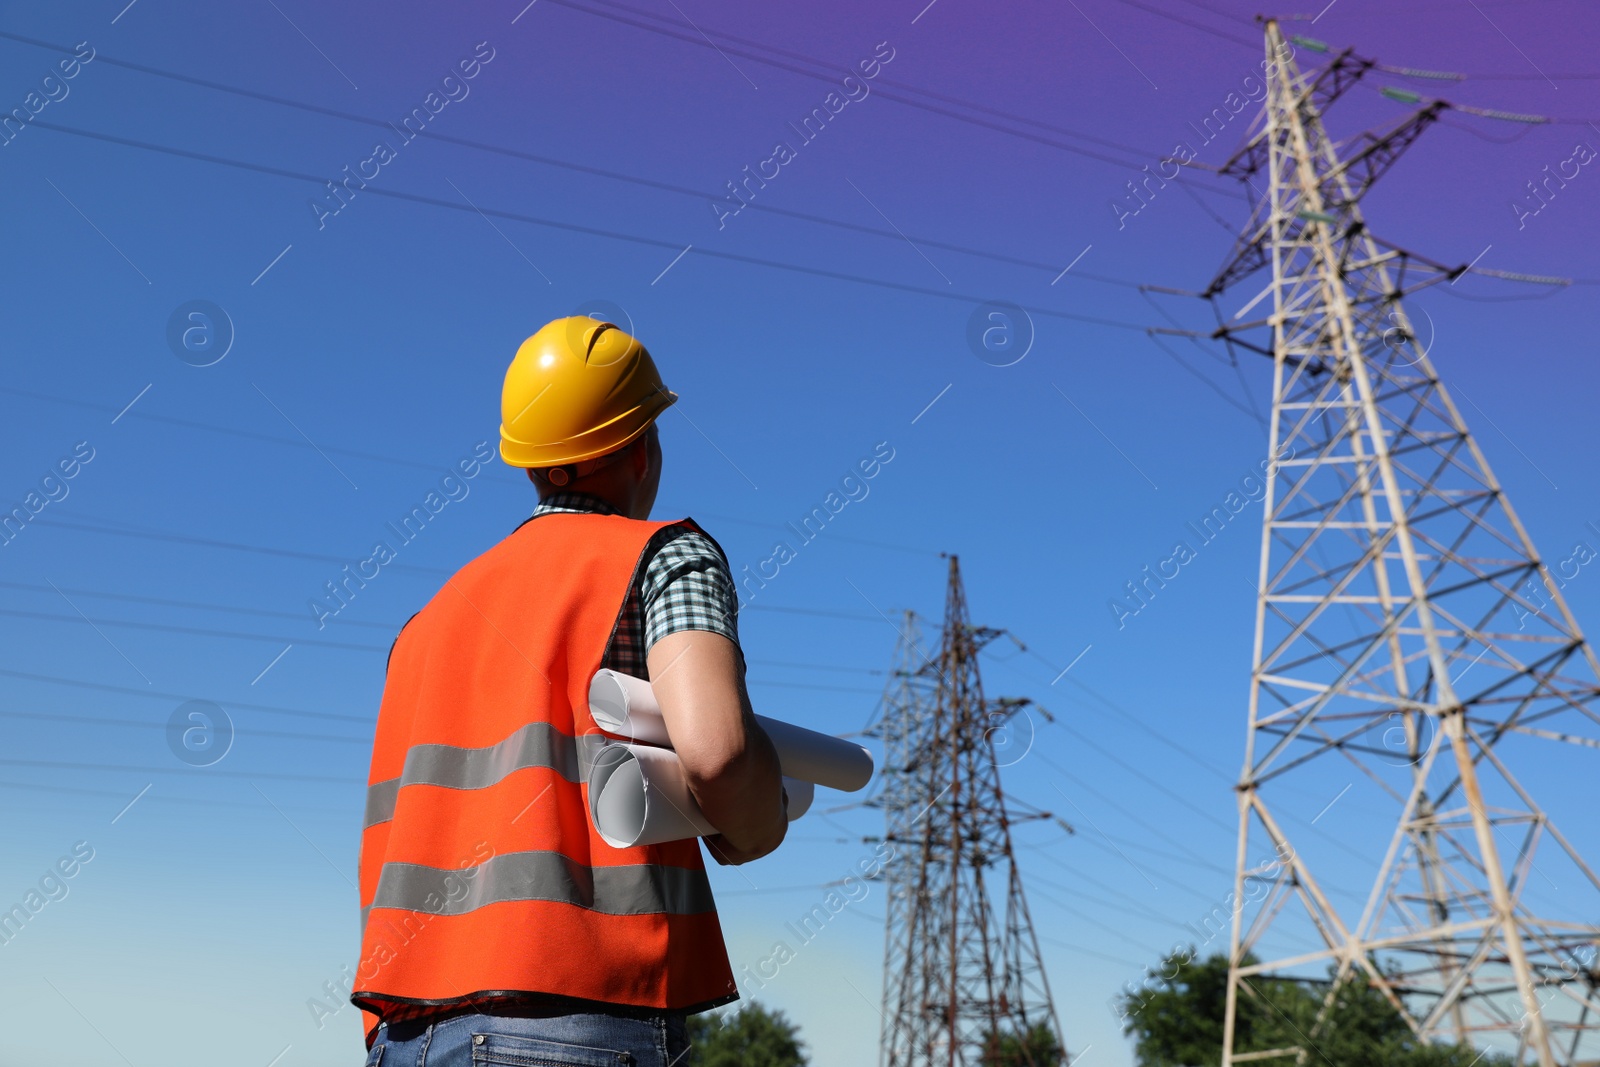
(552, 1041)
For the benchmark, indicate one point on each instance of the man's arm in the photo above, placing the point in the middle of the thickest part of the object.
(731, 766)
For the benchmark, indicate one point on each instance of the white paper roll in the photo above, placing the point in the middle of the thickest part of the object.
(638, 796)
(801, 794)
(820, 758)
(623, 705)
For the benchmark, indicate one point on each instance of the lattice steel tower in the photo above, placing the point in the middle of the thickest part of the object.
(1409, 640)
(962, 969)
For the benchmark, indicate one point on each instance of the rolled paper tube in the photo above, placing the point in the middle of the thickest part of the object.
(816, 757)
(638, 796)
(801, 794)
(623, 705)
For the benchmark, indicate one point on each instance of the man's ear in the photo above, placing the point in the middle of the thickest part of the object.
(640, 460)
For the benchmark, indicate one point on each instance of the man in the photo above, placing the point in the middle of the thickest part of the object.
(497, 926)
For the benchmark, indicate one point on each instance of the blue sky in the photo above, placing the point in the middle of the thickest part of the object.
(366, 354)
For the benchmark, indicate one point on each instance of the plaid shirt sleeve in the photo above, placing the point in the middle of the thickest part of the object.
(686, 586)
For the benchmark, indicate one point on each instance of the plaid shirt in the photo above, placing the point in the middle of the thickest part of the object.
(684, 584)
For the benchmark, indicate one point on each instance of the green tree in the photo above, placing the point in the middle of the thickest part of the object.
(1036, 1048)
(751, 1037)
(1176, 1021)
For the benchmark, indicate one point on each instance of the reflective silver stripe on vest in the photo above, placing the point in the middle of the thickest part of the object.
(538, 744)
(634, 889)
(380, 801)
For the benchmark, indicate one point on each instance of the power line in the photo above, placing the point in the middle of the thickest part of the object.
(270, 709)
(1087, 951)
(1210, 901)
(1147, 911)
(823, 75)
(238, 635)
(1124, 714)
(810, 888)
(812, 666)
(806, 685)
(588, 169)
(1111, 844)
(157, 798)
(1170, 857)
(831, 537)
(205, 772)
(1407, 72)
(1408, 96)
(193, 631)
(297, 616)
(1254, 46)
(1139, 912)
(229, 430)
(1101, 927)
(235, 546)
(1152, 731)
(853, 616)
(1287, 814)
(1209, 384)
(1093, 923)
(147, 724)
(387, 627)
(1153, 783)
(830, 76)
(573, 227)
(1588, 76)
(1180, 846)
(231, 546)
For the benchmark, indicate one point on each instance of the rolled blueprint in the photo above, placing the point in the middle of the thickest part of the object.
(800, 793)
(638, 796)
(820, 758)
(626, 706)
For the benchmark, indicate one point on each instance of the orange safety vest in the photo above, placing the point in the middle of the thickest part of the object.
(481, 873)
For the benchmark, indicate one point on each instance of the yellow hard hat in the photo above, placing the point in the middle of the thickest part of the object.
(577, 389)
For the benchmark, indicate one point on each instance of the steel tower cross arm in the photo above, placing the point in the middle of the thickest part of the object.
(1378, 153)
(1331, 82)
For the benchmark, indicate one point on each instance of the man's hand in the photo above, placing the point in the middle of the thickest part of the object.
(728, 760)
(726, 854)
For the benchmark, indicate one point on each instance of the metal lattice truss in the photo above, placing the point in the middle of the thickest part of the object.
(962, 962)
(1405, 629)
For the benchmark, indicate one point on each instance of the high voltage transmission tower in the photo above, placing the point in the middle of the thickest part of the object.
(963, 981)
(1409, 641)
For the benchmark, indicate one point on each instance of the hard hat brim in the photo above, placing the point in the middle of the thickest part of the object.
(617, 433)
